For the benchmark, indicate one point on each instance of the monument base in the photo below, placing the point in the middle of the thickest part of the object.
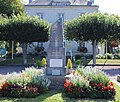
(57, 82)
(56, 71)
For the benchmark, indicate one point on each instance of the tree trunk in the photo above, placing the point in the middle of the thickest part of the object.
(24, 47)
(94, 52)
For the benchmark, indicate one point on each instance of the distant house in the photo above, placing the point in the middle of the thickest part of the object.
(51, 10)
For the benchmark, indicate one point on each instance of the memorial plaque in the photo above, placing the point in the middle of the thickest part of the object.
(55, 72)
(56, 62)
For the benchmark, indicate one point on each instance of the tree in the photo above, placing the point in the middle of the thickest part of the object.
(25, 29)
(93, 27)
(10, 7)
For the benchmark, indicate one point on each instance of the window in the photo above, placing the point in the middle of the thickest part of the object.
(40, 15)
(61, 15)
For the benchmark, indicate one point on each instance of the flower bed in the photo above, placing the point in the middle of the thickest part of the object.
(89, 83)
(30, 83)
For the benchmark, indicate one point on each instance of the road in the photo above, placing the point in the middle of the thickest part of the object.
(110, 70)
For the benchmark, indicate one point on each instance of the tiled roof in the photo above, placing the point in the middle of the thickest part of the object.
(49, 2)
(41, 2)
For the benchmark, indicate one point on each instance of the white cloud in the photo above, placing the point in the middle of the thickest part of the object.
(109, 6)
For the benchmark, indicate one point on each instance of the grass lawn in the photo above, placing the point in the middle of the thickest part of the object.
(108, 61)
(57, 96)
(18, 60)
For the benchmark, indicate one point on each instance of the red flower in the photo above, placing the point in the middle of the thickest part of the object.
(65, 85)
(114, 90)
(66, 81)
(108, 87)
(105, 88)
(100, 85)
(79, 90)
(111, 84)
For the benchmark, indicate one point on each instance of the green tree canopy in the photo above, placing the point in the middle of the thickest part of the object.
(10, 7)
(90, 27)
(93, 27)
(25, 29)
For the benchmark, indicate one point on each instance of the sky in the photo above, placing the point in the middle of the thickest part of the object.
(105, 6)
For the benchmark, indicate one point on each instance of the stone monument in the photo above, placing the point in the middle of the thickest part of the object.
(56, 51)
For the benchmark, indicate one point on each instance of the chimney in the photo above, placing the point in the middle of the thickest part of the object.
(30, 1)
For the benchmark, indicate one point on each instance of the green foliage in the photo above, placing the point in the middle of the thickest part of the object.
(95, 75)
(39, 63)
(41, 82)
(30, 83)
(109, 56)
(116, 56)
(77, 62)
(26, 29)
(91, 27)
(89, 83)
(10, 7)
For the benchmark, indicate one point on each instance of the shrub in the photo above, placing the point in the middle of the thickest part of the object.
(76, 87)
(77, 62)
(31, 72)
(41, 82)
(30, 83)
(69, 64)
(99, 56)
(109, 56)
(89, 83)
(44, 62)
(116, 56)
(38, 63)
(78, 56)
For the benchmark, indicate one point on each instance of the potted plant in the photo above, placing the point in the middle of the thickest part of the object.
(38, 64)
(69, 66)
(77, 63)
(44, 63)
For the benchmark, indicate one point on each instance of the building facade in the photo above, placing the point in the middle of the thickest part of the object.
(52, 10)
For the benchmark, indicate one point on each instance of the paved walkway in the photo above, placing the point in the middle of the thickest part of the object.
(10, 69)
(112, 71)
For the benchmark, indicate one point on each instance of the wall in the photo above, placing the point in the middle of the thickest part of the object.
(50, 14)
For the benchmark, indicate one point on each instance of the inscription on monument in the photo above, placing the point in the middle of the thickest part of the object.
(56, 62)
(55, 72)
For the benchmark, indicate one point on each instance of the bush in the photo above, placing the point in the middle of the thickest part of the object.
(89, 83)
(76, 87)
(44, 62)
(78, 56)
(116, 56)
(99, 56)
(77, 62)
(69, 64)
(30, 83)
(109, 56)
(39, 63)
